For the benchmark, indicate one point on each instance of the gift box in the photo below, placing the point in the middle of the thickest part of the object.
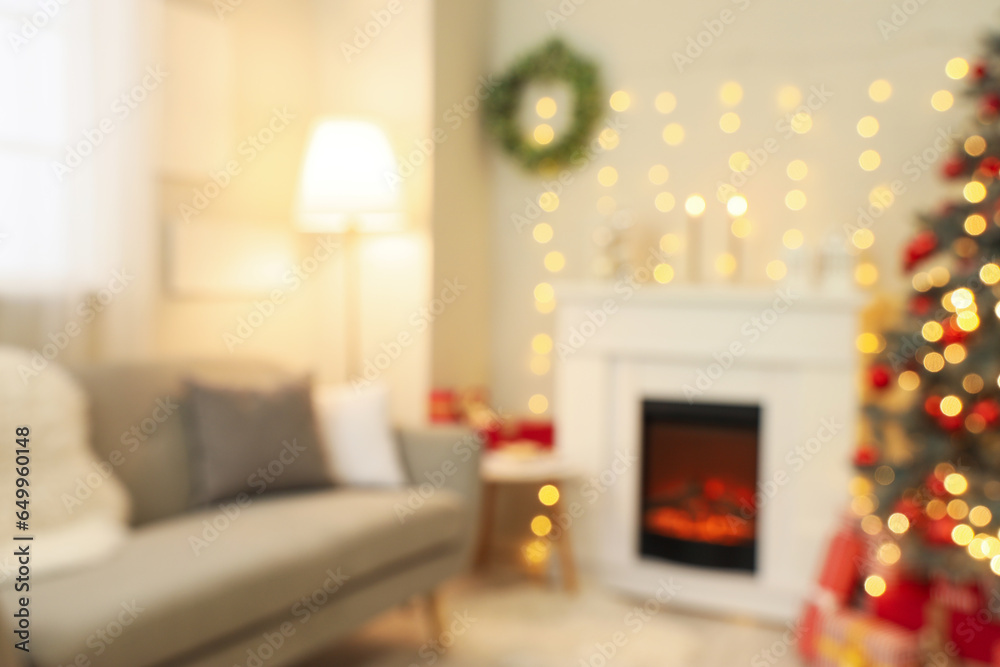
(837, 580)
(903, 602)
(976, 636)
(849, 637)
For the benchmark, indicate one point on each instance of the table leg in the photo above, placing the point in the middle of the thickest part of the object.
(564, 545)
(486, 525)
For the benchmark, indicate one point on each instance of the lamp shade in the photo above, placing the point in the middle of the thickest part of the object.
(348, 179)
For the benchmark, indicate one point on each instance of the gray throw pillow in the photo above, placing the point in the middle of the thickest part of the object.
(252, 441)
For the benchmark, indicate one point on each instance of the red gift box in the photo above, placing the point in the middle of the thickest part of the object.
(903, 603)
(837, 580)
(976, 635)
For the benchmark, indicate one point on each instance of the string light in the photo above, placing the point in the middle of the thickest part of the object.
(792, 239)
(739, 161)
(870, 160)
(795, 200)
(541, 525)
(797, 170)
(863, 239)
(658, 174)
(974, 192)
(555, 261)
(980, 516)
(540, 365)
(729, 123)
(725, 264)
(544, 134)
(962, 534)
(665, 102)
(673, 134)
(663, 273)
(909, 381)
(538, 404)
(880, 90)
(956, 68)
(741, 228)
(898, 523)
(544, 292)
(868, 127)
(789, 97)
(541, 343)
(956, 484)
(776, 269)
(866, 274)
(664, 202)
(620, 100)
(608, 139)
(607, 176)
(875, 586)
(867, 343)
(942, 100)
(548, 201)
(975, 224)
(731, 93)
(542, 232)
(975, 145)
(802, 122)
(546, 107)
(889, 553)
(548, 495)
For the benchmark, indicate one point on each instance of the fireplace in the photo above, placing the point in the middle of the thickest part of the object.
(699, 472)
(698, 351)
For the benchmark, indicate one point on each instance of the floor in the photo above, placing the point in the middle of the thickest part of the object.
(508, 622)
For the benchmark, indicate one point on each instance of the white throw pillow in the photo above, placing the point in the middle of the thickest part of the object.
(78, 514)
(355, 430)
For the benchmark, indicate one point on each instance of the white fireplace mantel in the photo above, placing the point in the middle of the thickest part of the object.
(788, 351)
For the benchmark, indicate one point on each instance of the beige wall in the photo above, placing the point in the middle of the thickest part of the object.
(765, 46)
(462, 33)
(288, 55)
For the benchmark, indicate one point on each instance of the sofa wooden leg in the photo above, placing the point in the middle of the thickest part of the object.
(434, 613)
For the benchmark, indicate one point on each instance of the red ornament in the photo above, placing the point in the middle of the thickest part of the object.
(921, 246)
(988, 409)
(907, 508)
(932, 406)
(979, 71)
(934, 485)
(990, 166)
(952, 423)
(865, 455)
(953, 167)
(952, 334)
(921, 304)
(938, 531)
(879, 376)
(991, 104)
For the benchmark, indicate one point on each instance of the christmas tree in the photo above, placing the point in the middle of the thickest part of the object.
(929, 489)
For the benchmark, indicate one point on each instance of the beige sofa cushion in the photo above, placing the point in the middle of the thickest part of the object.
(177, 594)
(137, 427)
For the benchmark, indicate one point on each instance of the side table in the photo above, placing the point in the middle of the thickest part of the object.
(519, 464)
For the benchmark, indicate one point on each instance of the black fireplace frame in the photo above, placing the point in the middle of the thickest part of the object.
(736, 558)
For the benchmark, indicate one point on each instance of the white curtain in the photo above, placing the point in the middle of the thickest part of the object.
(77, 175)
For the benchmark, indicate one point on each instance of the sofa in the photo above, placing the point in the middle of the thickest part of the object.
(269, 582)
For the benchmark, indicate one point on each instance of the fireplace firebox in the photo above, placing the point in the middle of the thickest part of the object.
(699, 474)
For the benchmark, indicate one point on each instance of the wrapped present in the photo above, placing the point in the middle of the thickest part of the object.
(837, 580)
(966, 597)
(442, 406)
(903, 602)
(849, 637)
(975, 635)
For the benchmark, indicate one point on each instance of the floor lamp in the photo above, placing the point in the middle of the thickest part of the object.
(348, 187)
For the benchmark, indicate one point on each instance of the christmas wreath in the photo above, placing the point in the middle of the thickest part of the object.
(554, 61)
